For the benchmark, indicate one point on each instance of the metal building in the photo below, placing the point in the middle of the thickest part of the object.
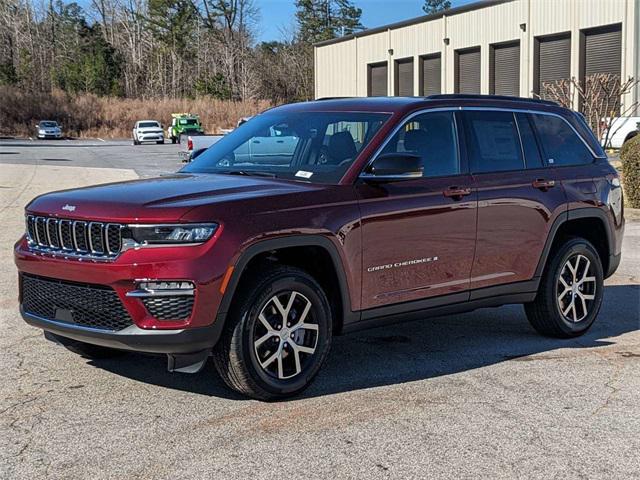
(507, 47)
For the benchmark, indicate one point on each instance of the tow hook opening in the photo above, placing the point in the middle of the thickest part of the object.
(188, 362)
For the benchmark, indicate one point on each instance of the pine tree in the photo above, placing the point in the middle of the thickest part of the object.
(320, 20)
(435, 6)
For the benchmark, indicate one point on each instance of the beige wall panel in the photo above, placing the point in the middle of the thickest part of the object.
(336, 68)
(371, 49)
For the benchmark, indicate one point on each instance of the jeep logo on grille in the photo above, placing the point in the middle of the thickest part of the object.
(69, 208)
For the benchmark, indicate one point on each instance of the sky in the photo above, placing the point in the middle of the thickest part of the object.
(278, 16)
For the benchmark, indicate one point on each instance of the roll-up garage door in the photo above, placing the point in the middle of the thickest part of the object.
(430, 75)
(378, 80)
(603, 51)
(504, 75)
(553, 62)
(404, 78)
(468, 71)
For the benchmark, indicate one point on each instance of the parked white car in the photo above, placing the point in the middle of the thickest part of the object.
(622, 129)
(147, 131)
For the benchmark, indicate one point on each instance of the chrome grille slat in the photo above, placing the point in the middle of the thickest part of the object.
(74, 238)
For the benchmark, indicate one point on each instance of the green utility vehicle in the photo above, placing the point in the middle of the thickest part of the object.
(184, 124)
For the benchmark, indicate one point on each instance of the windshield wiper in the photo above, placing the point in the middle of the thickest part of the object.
(251, 173)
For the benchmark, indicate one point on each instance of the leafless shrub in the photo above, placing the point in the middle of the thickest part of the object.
(599, 97)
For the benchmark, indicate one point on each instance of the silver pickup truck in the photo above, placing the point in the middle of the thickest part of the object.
(275, 145)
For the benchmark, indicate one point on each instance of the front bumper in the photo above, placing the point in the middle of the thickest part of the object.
(155, 137)
(134, 338)
(201, 265)
(50, 135)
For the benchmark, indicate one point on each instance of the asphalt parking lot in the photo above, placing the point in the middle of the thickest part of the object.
(478, 395)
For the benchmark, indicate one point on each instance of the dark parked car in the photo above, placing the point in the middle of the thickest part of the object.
(389, 208)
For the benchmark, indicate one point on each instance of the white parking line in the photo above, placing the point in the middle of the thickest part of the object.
(101, 139)
(31, 138)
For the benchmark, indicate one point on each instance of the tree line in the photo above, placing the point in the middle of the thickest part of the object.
(164, 48)
(167, 48)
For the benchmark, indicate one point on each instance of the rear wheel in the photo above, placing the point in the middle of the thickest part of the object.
(276, 337)
(570, 293)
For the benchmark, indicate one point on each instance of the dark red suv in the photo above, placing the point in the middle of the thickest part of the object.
(323, 217)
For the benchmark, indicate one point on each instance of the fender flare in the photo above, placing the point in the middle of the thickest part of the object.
(579, 213)
(263, 246)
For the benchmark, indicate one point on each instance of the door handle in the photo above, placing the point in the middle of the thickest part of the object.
(279, 141)
(543, 184)
(457, 192)
(256, 141)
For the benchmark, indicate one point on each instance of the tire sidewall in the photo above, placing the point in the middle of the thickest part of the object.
(249, 316)
(571, 248)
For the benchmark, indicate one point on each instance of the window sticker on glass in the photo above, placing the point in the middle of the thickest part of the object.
(303, 174)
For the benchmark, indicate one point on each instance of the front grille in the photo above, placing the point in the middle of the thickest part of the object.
(74, 237)
(88, 305)
(169, 308)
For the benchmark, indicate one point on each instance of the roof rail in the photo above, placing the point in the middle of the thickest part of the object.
(331, 98)
(506, 98)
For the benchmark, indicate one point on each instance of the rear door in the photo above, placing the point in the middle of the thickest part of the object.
(418, 235)
(517, 199)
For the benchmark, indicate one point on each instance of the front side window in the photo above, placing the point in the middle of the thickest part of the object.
(492, 141)
(306, 146)
(432, 136)
(560, 142)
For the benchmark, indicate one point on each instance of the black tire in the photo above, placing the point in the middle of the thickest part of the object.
(160, 142)
(545, 314)
(135, 142)
(237, 357)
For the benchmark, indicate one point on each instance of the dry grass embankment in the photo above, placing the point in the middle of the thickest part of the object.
(87, 115)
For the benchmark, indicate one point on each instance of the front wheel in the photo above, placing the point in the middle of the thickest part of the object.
(277, 335)
(570, 293)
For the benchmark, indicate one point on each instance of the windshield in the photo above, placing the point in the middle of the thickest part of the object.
(188, 121)
(48, 124)
(308, 146)
(148, 124)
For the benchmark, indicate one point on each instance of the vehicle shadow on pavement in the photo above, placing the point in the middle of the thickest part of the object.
(415, 350)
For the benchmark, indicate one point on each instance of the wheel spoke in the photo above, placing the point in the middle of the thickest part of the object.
(584, 307)
(304, 313)
(303, 349)
(564, 292)
(264, 322)
(280, 367)
(305, 326)
(587, 279)
(270, 360)
(587, 296)
(281, 309)
(564, 282)
(264, 338)
(296, 357)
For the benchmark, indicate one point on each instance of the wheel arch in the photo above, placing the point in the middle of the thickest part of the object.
(591, 224)
(265, 248)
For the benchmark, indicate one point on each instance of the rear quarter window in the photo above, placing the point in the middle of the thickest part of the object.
(560, 143)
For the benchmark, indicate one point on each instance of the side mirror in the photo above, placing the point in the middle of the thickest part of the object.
(394, 166)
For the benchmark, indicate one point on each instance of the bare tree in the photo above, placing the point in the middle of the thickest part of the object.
(599, 98)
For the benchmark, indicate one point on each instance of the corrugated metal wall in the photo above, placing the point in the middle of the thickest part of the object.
(341, 68)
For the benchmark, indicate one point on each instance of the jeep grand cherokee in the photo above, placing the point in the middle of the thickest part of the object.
(377, 210)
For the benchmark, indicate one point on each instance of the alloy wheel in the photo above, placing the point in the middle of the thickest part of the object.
(285, 336)
(576, 288)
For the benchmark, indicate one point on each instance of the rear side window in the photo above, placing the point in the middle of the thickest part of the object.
(560, 143)
(532, 157)
(492, 141)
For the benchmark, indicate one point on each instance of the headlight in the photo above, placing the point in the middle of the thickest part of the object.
(41, 131)
(170, 234)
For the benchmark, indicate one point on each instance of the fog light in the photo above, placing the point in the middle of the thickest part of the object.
(158, 288)
(165, 285)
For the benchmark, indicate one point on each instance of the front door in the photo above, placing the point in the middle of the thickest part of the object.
(419, 235)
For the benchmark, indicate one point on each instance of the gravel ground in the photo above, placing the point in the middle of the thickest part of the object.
(464, 396)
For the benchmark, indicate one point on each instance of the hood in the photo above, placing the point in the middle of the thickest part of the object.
(159, 199)
(149, 129)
